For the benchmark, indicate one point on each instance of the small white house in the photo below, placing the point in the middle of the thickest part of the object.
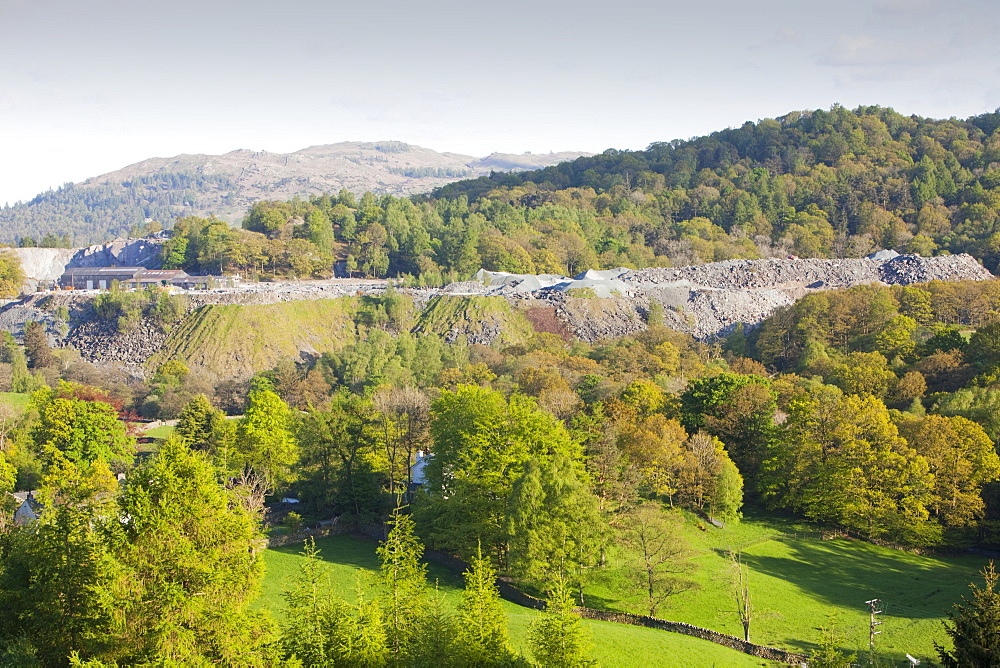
(28, 510)
(417, 474)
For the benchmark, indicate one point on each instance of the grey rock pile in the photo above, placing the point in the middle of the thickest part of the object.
(100, 342)
(711, 299)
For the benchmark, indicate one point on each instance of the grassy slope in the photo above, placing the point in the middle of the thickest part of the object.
(796, 583)
(614, 644)
(471, 316)
(235, 340)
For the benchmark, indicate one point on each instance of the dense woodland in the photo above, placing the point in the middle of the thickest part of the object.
(832, 183)
(870, 411)
(77, 216)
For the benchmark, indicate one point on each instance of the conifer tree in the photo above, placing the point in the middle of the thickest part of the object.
(483, 638)
(557, 637)
(36, 345)
(435, 642)
(404, 581)
(974, 627)
(553, 521)
(311, 616)
(192, 561)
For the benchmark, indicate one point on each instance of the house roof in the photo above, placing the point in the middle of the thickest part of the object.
(27, 499)
(98, 271)
(130, 273)
(163, 274)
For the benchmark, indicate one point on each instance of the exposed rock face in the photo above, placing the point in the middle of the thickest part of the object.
(99, 341)
(43, 266)
(839, 273)
(143, 252)
(14, 317)
(711, 299)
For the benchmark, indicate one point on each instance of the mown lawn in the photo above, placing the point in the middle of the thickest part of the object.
(17, 401)
(163, 431)
(352, 561)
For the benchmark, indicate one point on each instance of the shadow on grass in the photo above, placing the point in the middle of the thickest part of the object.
(348, 550)
(846, 573)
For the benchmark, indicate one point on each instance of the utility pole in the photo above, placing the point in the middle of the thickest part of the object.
(874, 605)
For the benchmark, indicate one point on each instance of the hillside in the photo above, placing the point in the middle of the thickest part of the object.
(349, 558)
(816, 184)
(225, 185)
(234, 332)
(836, 183)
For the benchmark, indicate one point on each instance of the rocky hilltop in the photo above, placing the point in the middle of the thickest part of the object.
(388, 167)
(704, 301)
(226, 185)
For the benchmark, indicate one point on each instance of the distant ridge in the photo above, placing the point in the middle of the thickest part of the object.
(107, 206)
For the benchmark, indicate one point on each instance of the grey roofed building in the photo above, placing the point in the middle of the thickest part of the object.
(101, 278)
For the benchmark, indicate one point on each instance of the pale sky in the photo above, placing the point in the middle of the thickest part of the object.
(90, 86)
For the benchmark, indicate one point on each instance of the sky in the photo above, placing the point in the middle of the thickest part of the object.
(90, 86)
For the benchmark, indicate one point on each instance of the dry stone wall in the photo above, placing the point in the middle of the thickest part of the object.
(514, 595)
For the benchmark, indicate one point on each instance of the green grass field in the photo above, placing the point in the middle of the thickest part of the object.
(352, 561)
(796, 582)
(17, 401)
(162, 431)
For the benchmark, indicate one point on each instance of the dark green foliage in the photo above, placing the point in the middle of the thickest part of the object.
(983, 350)
(337, 446)
(36, 345)
(93, 214)
(948, 339)
(974, 627)
(736, 408)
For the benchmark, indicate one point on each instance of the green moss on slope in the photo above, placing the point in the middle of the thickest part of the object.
(479, 319)
(238, 340)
